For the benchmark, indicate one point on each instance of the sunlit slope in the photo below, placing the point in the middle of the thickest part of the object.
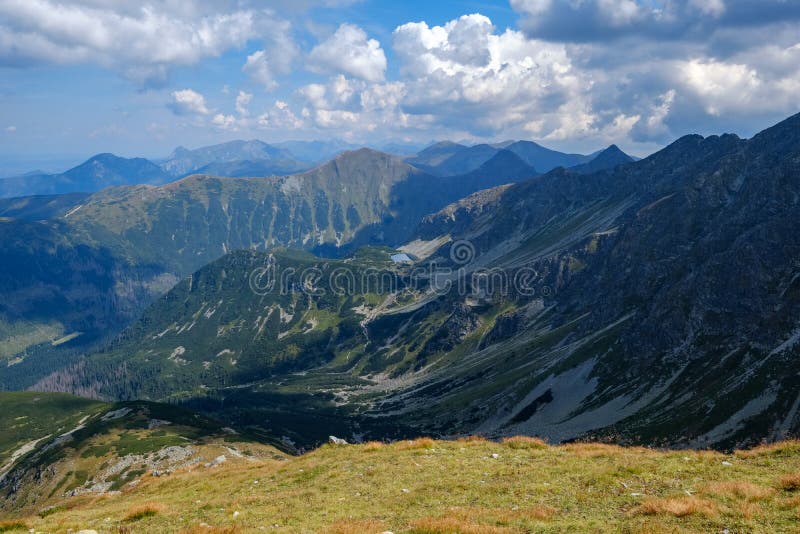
(471, 486)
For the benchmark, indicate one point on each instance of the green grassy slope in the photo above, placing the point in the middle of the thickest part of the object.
(52, 445)
(459, 487)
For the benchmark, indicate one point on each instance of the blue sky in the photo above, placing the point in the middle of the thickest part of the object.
(139, 78)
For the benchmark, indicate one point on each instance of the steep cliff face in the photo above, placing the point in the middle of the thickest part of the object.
(676, 315)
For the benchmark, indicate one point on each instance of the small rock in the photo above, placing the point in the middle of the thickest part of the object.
(387, 532)
(405, 490)
(726, 463)
(235, 514)
(336, 441)
(495, 456)
(87, 531)
(221, 459)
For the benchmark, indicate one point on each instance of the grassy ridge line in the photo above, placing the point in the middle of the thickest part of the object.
(466, 486)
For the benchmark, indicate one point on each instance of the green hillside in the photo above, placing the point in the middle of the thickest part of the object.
(55, 445)
(458, 487)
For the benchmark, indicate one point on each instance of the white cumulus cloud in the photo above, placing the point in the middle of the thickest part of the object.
(242, 101)
(224, 122)
(141, 40)
(350, 51)
(188, 102)
(274, 59)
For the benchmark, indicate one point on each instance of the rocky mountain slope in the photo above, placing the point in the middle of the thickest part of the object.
(58, 447)
(656, 302)
(102, 260)
(234, 158)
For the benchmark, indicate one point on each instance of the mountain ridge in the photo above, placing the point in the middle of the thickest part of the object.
(613, 340)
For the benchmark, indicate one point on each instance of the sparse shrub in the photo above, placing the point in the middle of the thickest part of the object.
(524, 442)
(677, 507)
(143, 511)
(12, 525)
(50, 510)
(778, 449)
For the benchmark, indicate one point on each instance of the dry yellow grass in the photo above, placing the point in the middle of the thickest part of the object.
(474, 486)
(419, 443)
(750, 510)
(502, 516)
(452, 525)
(208, 529)
(738, 489)
(593, 450)
(356, 526)
(373, 445)
(524, 442)
(143, 511)
(476, 439)
(790, 482)
(677, 507)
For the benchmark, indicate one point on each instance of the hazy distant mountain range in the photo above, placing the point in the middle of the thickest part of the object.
(255, 158)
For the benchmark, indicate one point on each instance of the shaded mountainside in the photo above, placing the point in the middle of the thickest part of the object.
(448, 159)
(234, 158)
(465, 160)
(657, 302)
(251, 168)
(434, 155)
(606, 159)
(99, 172)
(543, 159)
(128, 245)
(40, 207)
(56, 447)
